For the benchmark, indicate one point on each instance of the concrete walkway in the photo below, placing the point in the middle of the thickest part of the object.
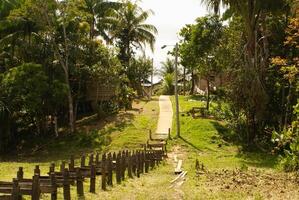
(165, 118)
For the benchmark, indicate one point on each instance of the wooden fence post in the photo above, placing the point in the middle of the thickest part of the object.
(145, 162)
(83, 161)
(97, 159)
(138, 163)
(110, 170)
(114, 156)
(152, 160)
(164, 149)
(118, 168)
(142, 162)
(123, 165)
(66, 185)
(129, 158)
(20, 173)
(150, 135)
(72, 164)
(54, 186)
(79, 183)
(15, 190)
(52, 168)
(35, 187)
(103, 171)
(90, 160)
(37, 170)
(62, 166)
(92, 186)
(156, 157)
(133, 161)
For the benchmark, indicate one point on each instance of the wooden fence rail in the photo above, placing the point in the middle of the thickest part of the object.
(121, 165)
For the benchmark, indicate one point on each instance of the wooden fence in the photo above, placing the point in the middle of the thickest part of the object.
(112, 167)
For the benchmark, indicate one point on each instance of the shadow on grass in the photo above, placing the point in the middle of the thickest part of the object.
(258, 159)
(90, 137)
(254, 157)
(197, 97)
(190, 144)
(226, 134)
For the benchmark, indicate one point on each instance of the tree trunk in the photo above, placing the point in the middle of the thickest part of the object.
(266, 51)
(192, 83)
(252, 128)
(208, 94)
(70, 105)
(63, 59)
(69, 93)
(91, 37)
(184, 83)
(56, 126)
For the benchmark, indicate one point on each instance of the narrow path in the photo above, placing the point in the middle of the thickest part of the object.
(165, 118)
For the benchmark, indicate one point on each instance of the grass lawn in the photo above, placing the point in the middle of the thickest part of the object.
(229, 173)
(126, 130)
(210, 140)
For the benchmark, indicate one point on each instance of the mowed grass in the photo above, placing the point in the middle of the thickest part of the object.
(127, 130)
(136, 130)
(207, 140)
(211, 141)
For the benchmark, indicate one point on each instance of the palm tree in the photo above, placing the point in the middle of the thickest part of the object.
(168, 86)
(167, 67)
(167, 73)
(99, 12)
(253, 14)
(130, 30)
(6, 6)
(16, 32)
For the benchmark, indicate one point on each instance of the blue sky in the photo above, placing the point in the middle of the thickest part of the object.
(170, 16)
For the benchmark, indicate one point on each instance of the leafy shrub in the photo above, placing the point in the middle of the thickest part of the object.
(168, 87)
(126, 97)
(288, 142)
(106, 108)
(91, 139)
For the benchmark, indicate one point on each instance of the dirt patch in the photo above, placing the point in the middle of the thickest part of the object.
(268, 185)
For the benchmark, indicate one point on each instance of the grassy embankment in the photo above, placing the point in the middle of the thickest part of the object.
(229, 172)
(208, 140)
(127, 130)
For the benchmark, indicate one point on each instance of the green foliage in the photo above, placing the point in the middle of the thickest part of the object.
(25, 86)
(91, 139)
(130, 30)
(64, 39)
(167, 67)
(168, 84)
(126, 96)
(138, 72)
(199, 42)
(288, 142)
(167, 72)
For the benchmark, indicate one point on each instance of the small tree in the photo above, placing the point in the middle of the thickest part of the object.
(198, 48)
